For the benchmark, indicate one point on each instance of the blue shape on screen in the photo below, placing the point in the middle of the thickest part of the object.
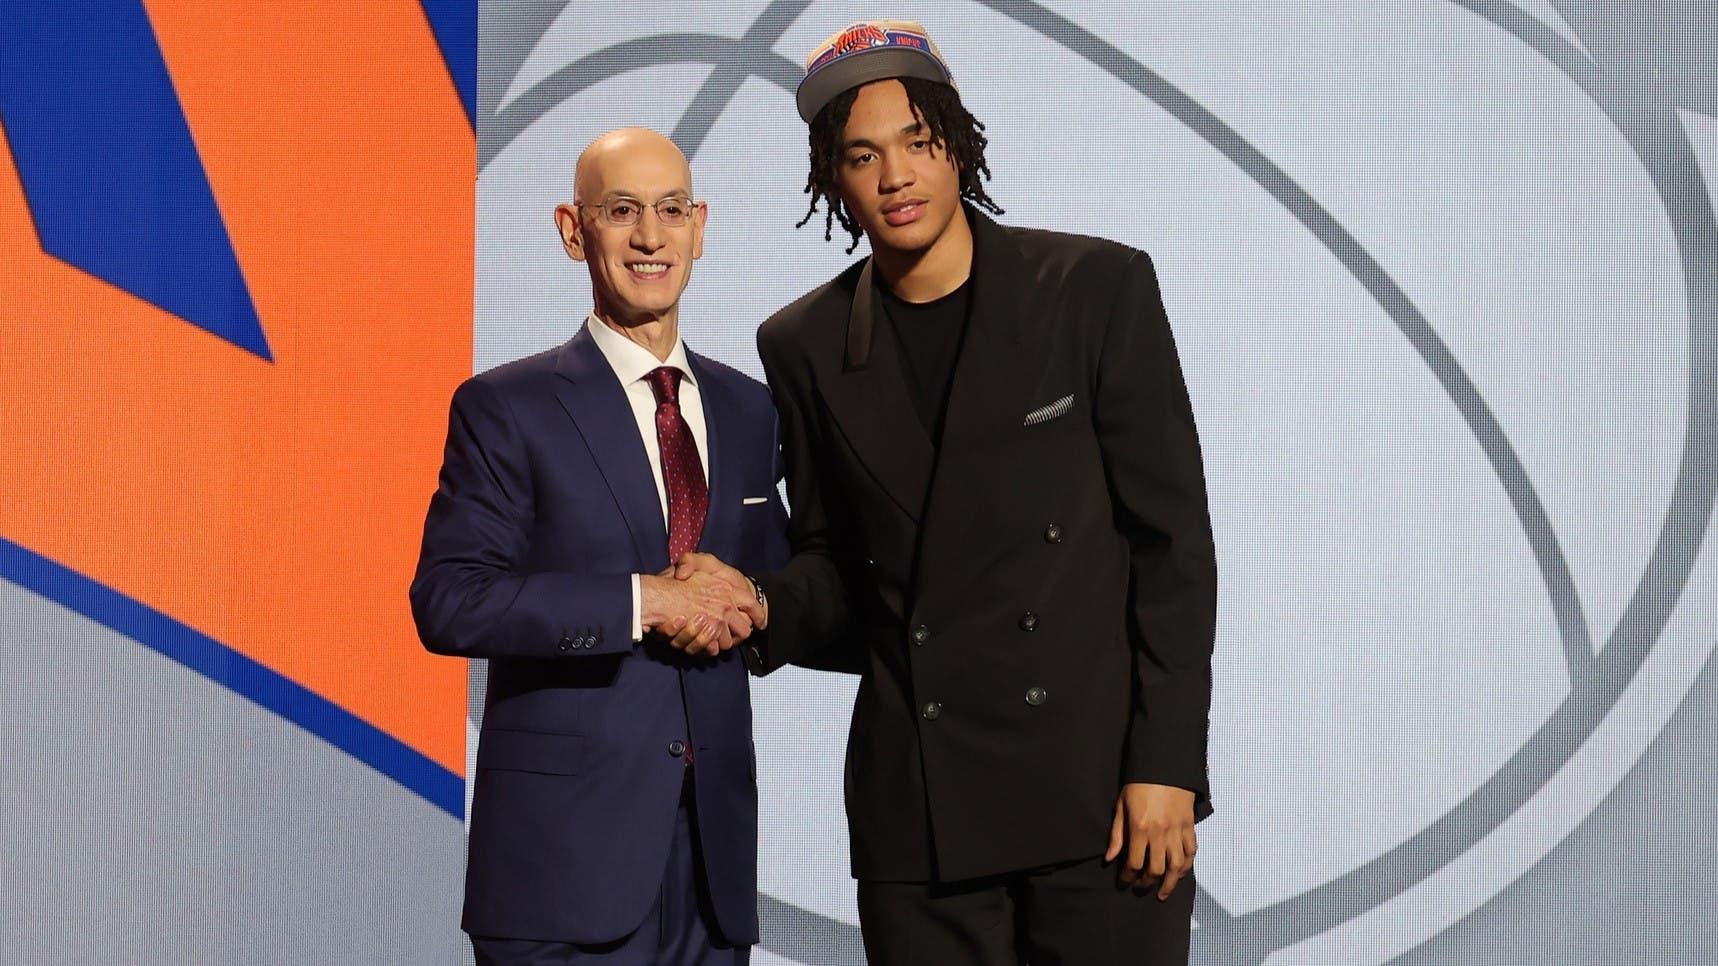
(203, 654)
(455, 25)
(112, 177)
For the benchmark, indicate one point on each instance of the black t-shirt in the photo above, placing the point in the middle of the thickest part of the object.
(929, 334)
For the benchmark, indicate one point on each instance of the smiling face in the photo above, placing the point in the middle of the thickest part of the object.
(903, 189)
(638, 271)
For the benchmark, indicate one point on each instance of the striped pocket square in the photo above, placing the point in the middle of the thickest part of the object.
(1044, 414)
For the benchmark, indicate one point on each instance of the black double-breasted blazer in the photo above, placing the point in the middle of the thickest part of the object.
(1031, 603)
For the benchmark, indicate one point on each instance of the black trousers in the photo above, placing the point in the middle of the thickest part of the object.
(1071, 914)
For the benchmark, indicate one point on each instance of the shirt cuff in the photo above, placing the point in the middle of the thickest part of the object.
(637, 605)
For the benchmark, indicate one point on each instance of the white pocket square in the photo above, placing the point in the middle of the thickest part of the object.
(1044, 414)
(754, 500)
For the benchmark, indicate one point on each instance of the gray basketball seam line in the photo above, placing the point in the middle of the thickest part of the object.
(505, 126)
(1531, 766)
(1691, 216)
(509, 46)
(724, 82)
(1710, 662)
(808, 936)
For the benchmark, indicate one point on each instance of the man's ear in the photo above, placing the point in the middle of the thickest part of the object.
(572, 232)
(700, 215)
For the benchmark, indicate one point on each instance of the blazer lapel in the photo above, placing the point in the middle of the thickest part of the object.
(597, 404)
(725, 438)
(870, 401)
(998, 369)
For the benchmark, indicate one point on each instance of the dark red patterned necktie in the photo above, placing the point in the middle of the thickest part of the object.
(682, 474)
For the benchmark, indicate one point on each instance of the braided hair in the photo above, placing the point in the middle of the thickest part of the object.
(952, 129)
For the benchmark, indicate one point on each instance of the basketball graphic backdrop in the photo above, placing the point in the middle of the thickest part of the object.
(1445, 280)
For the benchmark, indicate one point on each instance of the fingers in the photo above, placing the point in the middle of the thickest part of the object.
(698, 635)
(749, 606)
(1118, 833)
(1176, 864)
(686, 633)
(691, 563)
(1138, 843)
(1183, 845)
(739, 625)
(1158, 854)
(712, 636)
(695, 562)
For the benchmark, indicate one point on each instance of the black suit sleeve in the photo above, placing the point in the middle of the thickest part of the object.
(473, 595)
(810, 612)
(1151, 455)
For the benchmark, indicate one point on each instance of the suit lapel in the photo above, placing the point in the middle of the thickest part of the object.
(870, 401)
(594, 399)
(998, 369)
(723, 436)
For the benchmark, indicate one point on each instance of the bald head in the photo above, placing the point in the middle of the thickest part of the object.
(609, 164)
(639, 252)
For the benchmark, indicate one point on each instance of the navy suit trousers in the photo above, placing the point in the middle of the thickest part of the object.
(679, 930)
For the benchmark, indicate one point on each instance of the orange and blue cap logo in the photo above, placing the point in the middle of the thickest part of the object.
(861, 37)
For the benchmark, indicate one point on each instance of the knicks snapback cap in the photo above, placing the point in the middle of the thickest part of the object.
(869, 51)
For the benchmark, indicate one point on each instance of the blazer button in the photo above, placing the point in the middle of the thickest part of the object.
(1053, 534)
(567, 644)
(677, 749)
(1028, 621)
(1036, 696)
(933, 711)
(921, 634)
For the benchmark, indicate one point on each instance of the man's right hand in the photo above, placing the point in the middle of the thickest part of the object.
(698, 614)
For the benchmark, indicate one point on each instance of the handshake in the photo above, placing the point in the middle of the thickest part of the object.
(700, 605)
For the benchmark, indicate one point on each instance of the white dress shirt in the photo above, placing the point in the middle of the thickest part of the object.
(632, 364)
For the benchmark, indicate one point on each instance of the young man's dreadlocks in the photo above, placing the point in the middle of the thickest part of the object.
(952, 128)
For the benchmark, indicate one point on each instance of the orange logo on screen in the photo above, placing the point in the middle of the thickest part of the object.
(859, 38)
(275, 507)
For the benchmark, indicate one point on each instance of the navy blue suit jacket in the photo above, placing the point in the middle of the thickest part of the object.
(545, 508)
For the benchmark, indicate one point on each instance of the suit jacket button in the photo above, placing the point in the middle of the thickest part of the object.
(1036, 696)
(677, 748)
(1028, 621)
(921, 634)
(567, 644)
(933, 711)
(1053, 534)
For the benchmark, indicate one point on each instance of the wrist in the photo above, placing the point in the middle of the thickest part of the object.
(650, 599)
(763, 601)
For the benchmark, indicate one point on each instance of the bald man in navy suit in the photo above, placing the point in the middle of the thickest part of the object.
(614, 818)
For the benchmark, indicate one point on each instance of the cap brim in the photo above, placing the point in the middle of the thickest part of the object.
(877, 64)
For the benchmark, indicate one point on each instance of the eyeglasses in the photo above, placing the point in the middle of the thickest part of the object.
(624, 212)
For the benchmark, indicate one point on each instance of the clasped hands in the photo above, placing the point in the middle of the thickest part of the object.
(700, 605)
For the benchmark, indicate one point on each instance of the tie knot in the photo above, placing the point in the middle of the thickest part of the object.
(665, 382)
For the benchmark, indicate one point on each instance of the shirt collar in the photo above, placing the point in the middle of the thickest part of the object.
(631, 361)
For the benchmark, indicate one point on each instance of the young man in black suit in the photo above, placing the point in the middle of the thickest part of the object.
(999, 511)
